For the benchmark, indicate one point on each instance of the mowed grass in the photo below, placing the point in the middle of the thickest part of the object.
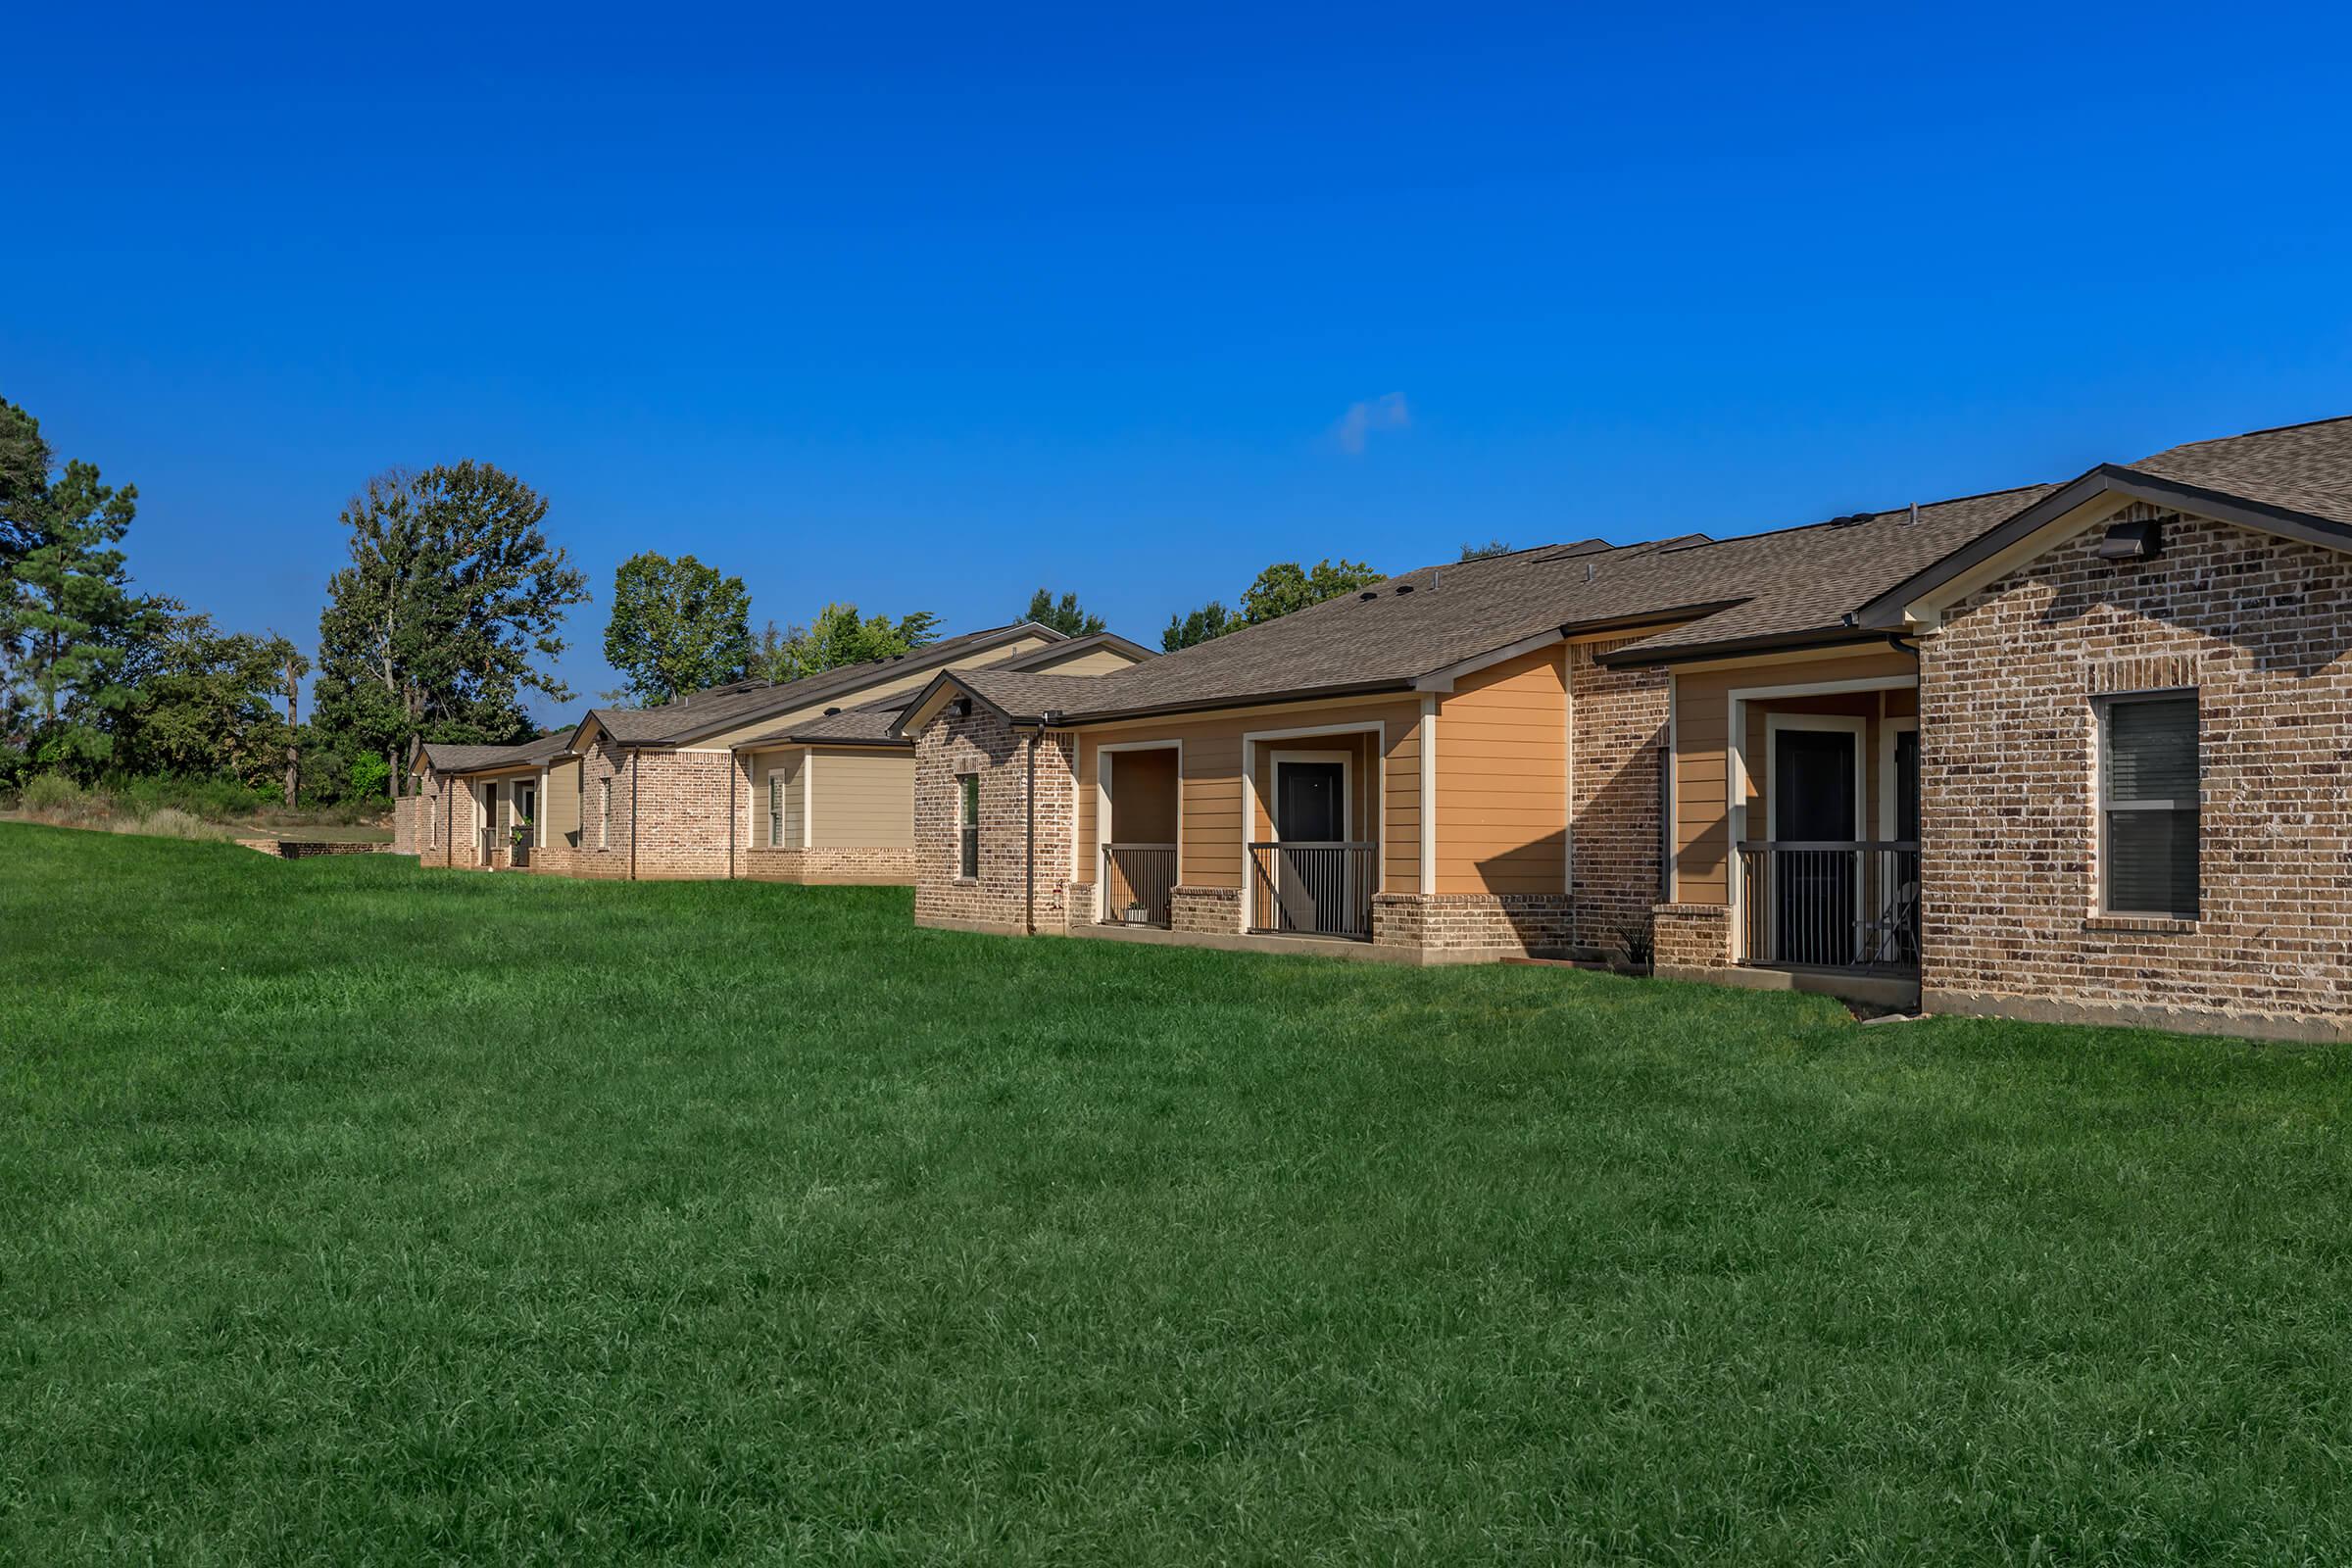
(354, 1213)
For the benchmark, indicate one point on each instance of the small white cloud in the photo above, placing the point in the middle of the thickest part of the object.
(1355, 426)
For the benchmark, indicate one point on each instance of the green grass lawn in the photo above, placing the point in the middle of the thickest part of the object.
(354, 1213)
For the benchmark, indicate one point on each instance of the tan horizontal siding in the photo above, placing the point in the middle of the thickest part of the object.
(1211, 794)
(560, 806)
(862, 800)
(1502, 779)
(784, 765)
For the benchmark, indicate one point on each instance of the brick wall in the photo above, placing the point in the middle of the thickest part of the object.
(1482, 925)
(1213, 910)
(2009, 829)
(429, 821)
(1691, 937)
(603, 852)
(678, 808)
(981, 743)
(1619, 718)
(408, 824)
(308, 849)
(892, 867)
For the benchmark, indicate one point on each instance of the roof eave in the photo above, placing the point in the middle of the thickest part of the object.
(1634, 657)
(1399, 683)
(995, 639)
(1892, 608)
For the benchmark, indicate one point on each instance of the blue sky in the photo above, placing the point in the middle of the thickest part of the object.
(922, 308)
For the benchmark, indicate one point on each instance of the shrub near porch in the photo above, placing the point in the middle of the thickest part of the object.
(360, 1211)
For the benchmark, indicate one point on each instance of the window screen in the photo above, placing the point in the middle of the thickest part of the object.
(775, 810)
(604, 809)
(968, 830)
(2148, 780)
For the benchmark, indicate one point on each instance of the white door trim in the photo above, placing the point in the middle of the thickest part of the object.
(1347, 763)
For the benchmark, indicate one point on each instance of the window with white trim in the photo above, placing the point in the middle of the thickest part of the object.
(967, 824)
(775, 809)
(2148, 802)
(603, 814)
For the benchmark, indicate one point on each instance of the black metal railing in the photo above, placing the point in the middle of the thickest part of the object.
(1832, 904)
(1322, 889)
(1137, 880)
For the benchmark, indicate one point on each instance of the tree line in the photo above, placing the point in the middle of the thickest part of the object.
(443, 625)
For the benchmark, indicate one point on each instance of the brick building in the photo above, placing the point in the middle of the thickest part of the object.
(2070, 751)
(795, 781)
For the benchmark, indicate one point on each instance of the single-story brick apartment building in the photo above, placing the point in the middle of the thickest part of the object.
(2070, 751)
(794, 781)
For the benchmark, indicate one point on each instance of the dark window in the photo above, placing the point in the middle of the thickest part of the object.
(967, 825)
(2148, 804)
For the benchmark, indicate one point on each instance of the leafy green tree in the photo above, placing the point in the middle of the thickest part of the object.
(839, 636)
(1492, 547)
(203, 704)
(1064, 617)
(437, 626)
(1284, 587)
(677, 626)
(1211, 620)
(68, 620)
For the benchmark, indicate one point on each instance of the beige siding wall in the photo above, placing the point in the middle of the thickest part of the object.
(1502, 779)
(1212, 804)
(560, 802)
(767, 768)
(863, 798)
(1701, 706)
(1094, 662)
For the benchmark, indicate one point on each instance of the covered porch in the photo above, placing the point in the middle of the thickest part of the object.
(1826, 873)
(506, 818)
(1260, 832)
(1797, 816)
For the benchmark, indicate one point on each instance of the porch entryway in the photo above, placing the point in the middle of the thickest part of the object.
(1834, 882)
(525, 831)
(1316, 874)
(1139, 809)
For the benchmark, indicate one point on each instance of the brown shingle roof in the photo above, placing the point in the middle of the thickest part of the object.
(1024, 695)
(1792, 585)
(705, 712)
(869, 725)
(2303, 468)
(1077, 646)
(1776, 585)
(2295, 481)
(449, 759)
